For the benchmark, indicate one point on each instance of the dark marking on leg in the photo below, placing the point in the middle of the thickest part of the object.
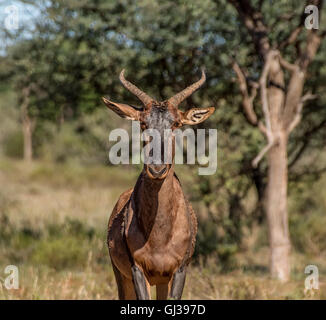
(178, 283)
(119, 280)
(139, 283)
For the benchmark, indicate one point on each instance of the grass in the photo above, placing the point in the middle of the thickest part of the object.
(53, 221)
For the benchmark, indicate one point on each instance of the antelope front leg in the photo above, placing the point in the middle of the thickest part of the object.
(178, 283)
(140, 283)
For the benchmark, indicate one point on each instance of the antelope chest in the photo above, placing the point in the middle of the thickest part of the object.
(161, 253)
(158, 265)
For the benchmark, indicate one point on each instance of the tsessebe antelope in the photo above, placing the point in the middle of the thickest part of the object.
(152, 229)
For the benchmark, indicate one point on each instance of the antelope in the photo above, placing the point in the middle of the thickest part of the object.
(152, 229)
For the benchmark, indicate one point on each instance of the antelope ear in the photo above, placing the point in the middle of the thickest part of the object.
(123, 110)
(196, 115)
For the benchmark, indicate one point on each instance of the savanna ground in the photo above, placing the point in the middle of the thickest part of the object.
(53, 220)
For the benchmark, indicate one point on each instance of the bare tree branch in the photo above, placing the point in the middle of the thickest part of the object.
(248, 99)
(297, 117)
(312, 42)
(284, 17)
(263, 88)
(296, 83)
(306, 140)
(254, 22)
(287, 65)
(297, 30)
(294, 34)
(263, 93)
(261, 154)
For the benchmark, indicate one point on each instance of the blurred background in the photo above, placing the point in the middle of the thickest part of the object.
(57, 187)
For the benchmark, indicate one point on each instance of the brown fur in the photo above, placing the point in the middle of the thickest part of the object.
(157, 225)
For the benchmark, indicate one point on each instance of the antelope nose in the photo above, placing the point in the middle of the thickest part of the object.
(157, 170)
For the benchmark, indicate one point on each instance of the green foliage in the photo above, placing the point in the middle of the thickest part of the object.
(308, 234)
(58, 246)
(207, 239)
(82, 140)
(209, 242)
(61, 253)
(13, 144)
(71, 227)
(73, 54)
(307, 217)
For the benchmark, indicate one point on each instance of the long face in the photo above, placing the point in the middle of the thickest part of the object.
(164, 117)
(163, 120)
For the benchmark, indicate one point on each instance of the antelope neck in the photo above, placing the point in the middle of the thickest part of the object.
(154, 200)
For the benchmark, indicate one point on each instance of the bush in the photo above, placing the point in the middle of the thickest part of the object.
(83, 140)
(307, 218)
(308, 234)
(209, 243)
(13, 145)
(58, 246)
(71, 227)
(61, 253)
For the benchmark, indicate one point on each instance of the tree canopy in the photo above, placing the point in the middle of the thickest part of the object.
(73, 52)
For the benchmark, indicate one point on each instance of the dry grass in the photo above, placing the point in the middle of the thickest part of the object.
(54, 227)
(43, 193)
(95, 283)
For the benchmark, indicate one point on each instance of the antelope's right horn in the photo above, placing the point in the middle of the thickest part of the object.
(142, 96)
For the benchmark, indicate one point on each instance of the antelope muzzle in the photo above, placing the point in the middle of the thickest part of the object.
(157, 171)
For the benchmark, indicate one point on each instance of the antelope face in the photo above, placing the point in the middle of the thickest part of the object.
(158, 123)
(158, 120)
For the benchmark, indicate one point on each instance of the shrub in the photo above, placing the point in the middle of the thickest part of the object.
(209, 243)
(13, 144)
(308, 234)
(61, 253)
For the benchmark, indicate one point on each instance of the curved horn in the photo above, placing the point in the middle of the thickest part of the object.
(142, 96)
(185, 93)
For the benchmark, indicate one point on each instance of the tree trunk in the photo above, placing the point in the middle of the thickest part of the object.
(28, 125)
(27, 134)
(276, 209)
